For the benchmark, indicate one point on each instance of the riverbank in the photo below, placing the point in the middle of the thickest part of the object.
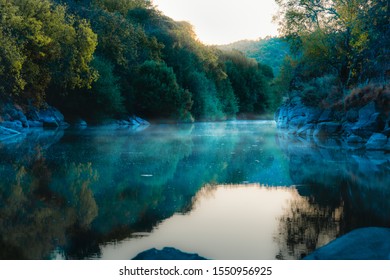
(17, 121)
(362, 127)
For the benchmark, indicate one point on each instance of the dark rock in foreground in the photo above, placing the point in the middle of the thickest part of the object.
(360, 244)
(167, 253)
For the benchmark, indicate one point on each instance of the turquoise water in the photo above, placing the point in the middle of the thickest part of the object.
(230, 190)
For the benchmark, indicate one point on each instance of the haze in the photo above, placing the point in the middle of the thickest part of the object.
(218, 22)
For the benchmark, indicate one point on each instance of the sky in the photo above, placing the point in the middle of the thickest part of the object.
(218, 22)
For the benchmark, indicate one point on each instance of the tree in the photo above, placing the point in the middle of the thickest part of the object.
(250, 85)
(335, 29)
(42, 45)
(158, 94)
(105, 92)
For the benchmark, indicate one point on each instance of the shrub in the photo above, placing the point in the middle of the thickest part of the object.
(316, 91)
(158, 95)
(361, 96)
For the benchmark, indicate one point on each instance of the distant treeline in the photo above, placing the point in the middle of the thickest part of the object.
(99, 59)
(270, 51)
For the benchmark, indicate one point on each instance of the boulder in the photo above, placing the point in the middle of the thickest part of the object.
(167, 253)
(139, 120)
(281, 117)
(326, 129)
(35, 124)
(369, 121)
(312, 114)
(386, 132)
(360, 244)
(80, 123)
(14, 125)
(13, 113)
(296, 110)
(352, 115)
(304, 130)
(354, 139)
(377, 141)
(326, 116)
(48, 116)
(51, 117)
(7, 131)
(297, 122)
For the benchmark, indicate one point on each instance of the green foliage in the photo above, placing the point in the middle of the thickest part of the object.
(121, 6)
(108, 100)
(42, 45)
(206, 103)
(316, 90)
(158, 93)
(283, 81)
(249, 83)
(336, 37)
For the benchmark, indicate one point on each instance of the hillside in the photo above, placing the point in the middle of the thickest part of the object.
(270, 51)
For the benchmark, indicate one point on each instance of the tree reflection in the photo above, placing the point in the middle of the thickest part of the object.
(340, 191)
(306, 226)
(34, 218)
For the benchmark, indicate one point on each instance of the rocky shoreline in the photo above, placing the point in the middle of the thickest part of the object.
(15, 121)
(366, 127)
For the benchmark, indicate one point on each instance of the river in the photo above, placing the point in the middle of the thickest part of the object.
(228, 190)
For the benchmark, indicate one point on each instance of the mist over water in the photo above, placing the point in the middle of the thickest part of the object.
(229, 190)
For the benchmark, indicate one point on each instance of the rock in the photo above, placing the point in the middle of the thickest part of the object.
(124, 123)
(326, 129)
(369, 121)
(50, 117)
(12, 113)
(352, 115)
(326, 116)
(139, 120)
(386, 132)
(14, 125)
(360, 244)
(32, 114)
(353, 139)
(167, 253)
(305, 129)
(80, 123)
(313, 114)
(377, 141)
(297, 122)
(281, 117)
(35, 124)
(294, 116)
(296, 110)
(301, 114)
(7, 131)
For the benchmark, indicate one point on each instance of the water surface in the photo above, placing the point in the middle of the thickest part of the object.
(233, 190)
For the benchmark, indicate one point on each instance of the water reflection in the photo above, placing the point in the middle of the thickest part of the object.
(306, 226)
(349, 189)
(226, 222)
(105, 193)
(35, 217)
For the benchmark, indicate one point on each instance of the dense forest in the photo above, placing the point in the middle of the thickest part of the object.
(99, 59)
(340, 51)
